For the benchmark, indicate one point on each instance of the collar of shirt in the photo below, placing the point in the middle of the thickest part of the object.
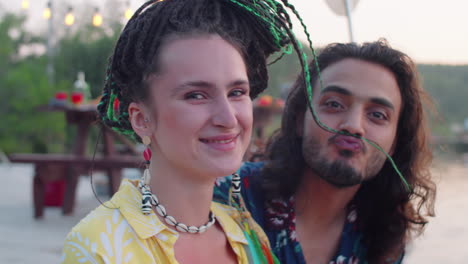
(128, 201)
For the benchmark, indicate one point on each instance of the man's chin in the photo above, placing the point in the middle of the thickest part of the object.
(342, 184)
(339, 173)
(346, 153)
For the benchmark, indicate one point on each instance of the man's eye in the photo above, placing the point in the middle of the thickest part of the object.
(378, 115)
(333, 104)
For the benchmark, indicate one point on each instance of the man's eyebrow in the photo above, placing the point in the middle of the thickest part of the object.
(383, 102)
(376, 100)
(336, 89)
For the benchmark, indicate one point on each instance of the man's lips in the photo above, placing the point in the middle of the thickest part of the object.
(348, 143)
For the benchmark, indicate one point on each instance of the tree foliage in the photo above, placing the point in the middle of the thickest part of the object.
(86, 50)
(448, 85)
(24, 84)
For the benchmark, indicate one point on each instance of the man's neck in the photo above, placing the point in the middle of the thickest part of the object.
(320, 202)
(320, 216)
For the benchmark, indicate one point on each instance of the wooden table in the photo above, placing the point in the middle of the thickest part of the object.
(84, 117)
(71, 166)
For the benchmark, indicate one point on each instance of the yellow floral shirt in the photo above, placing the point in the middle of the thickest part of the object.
(123, 234)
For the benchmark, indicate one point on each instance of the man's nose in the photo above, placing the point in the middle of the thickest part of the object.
(353, 122)
(224, 114)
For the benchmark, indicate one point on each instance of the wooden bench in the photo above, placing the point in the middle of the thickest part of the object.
(50, 167)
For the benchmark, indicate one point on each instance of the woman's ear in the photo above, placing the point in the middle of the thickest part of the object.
(139, 117)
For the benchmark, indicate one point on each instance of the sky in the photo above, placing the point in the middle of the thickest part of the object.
(430, 31)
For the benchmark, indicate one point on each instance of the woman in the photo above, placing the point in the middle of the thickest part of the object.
(181, 81)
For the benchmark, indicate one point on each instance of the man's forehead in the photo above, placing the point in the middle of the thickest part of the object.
(358, 78)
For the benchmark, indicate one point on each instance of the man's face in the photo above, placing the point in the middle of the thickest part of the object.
(361, 98)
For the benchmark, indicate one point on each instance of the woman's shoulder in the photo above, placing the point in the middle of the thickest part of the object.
(100, 219)
(91, 238)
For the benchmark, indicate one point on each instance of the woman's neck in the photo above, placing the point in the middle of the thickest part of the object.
(185, 196)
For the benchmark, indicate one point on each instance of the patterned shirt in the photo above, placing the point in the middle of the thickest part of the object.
(123, 234)
(278, 220)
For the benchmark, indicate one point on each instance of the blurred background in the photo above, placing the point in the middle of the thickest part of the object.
(53, 55)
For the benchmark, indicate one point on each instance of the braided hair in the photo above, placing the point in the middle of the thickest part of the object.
(257, 28)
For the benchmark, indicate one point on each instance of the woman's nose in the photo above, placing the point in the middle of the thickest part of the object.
(224, 114)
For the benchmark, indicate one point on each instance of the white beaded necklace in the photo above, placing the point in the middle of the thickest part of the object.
(149, 200)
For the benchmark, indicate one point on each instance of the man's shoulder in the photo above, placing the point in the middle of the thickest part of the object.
(251, 178)
(249, 169)
(250, 186)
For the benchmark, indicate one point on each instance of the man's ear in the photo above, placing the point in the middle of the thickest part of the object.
(300, 125)
(392, 149)
(139, 118)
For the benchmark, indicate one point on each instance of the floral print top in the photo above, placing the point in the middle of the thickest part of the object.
(120, 233)
(278, 219)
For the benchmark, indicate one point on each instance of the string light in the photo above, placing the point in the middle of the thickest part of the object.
(97, 18)
(128, 11)
(25, 4)
(69, 17)
(47, 14)
(69, 20)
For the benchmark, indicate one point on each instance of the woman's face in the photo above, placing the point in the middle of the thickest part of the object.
(201, 112)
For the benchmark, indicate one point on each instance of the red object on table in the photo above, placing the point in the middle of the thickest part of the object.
(54, 193)
(265, 100)
(56, 175)
(61, 95)
(77, 98)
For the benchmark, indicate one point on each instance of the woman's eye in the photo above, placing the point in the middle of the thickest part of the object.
(194, 96)
(237, 92)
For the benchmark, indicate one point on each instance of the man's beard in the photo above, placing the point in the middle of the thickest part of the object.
(338, 173)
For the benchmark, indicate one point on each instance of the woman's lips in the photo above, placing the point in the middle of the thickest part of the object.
(222, 142)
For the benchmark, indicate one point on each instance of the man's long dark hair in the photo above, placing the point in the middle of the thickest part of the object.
(388, 213)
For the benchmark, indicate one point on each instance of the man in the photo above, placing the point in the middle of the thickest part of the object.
(325, 197)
